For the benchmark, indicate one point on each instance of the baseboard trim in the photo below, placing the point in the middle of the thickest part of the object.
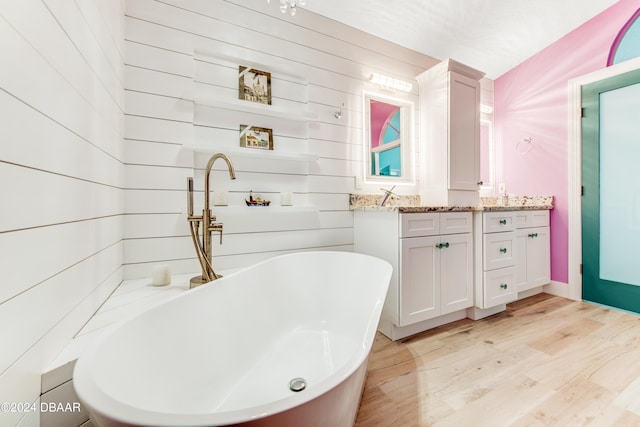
(559, 289)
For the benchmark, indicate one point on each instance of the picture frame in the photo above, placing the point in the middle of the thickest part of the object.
(254, 85)
(256, 137)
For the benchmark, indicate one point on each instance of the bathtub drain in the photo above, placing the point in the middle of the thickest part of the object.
(297, 384)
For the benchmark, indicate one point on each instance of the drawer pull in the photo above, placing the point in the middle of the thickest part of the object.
(504, 286)
(503, 221)
(442, 245)
(533, 235)
(503, 250)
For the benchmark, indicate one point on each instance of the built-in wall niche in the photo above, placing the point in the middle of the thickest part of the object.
(388, 139)
(219, 112)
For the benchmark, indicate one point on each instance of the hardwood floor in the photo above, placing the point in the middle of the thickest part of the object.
(545, 361)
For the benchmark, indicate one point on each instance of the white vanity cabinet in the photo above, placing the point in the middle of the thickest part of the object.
(512, 254)
(432, 258)
(532, 250)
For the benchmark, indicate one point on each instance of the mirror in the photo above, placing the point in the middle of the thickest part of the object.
(388, 139)
(487, 158)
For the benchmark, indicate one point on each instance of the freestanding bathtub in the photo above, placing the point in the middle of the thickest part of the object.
(225, 353)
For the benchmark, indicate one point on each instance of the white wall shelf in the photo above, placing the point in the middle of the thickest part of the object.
(255, 153)
(261, 219)
(257, 108)
(274, 208)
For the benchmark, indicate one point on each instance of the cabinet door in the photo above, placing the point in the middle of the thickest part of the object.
(464, 132)
(456, 272)
(419, 279)
(538, 257)
(533, 258)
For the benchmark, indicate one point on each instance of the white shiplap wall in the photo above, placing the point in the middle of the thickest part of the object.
(181, 50)
(62, 180)
(97, 108)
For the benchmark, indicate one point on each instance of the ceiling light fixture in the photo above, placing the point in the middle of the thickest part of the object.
(390, 83)
(290, 5)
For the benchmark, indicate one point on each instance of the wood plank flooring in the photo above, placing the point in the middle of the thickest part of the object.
(546, 361)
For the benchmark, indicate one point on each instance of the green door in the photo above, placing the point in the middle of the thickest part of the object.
(611, 191)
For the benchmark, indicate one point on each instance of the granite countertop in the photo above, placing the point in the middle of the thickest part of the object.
(420, 209)
(411, 204)
(514, 208)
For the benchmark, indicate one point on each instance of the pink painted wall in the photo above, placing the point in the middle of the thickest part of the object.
(531, 100)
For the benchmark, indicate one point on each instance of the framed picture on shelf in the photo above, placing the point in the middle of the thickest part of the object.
(256, 137)
(254, 85)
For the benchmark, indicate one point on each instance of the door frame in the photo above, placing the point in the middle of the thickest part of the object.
(574, 290)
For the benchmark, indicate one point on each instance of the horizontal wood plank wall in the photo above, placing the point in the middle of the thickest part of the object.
(178, 51)
(62, 173)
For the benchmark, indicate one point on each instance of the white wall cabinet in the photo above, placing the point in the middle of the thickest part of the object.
(432, 256)
(464, 131)
(450, 133)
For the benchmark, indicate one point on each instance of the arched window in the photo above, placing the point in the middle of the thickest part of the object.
(627, 43)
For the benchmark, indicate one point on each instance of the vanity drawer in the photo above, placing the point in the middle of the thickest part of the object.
(498, 250)
(455, 222)
(494, 222)
(526, 219)
(499, 286)
(434, 223)
(419, 224)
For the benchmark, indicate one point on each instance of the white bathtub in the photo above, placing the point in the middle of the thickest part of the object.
(224, 353)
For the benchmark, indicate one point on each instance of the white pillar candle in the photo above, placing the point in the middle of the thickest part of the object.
(220, 198)
(286, 199)
(160, 275)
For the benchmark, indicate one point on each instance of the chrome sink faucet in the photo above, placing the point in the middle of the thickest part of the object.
(206, 221)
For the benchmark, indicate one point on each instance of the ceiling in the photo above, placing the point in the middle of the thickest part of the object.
(490, 35)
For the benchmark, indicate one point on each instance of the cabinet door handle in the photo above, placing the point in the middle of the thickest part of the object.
(504, 286)
(446, 244)
(503, 221)
(442, 245)
(533, 235)
(503, 250)
(480, 182)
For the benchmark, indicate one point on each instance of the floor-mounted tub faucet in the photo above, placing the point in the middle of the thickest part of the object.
(207, 221)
